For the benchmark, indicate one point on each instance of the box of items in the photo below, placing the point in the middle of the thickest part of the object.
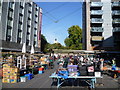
(5, 80)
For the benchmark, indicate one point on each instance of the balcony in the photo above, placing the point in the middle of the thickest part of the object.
(96, 20)
(117, 29)
(116, 12)
(116, 21)
(96, 29)
(96, 4)
(96, 12)
(116, 4)
(21, 5)
(97, 38)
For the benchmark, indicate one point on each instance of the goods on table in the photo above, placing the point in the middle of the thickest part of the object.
(41, 70)
(72, 70)
(10, 74)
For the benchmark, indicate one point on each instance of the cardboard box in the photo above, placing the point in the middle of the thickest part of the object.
(5, 80)
(13, 80)
(6, 76)
(6, 66)
(14, 69)
(14, 73)
(6, 69)
(14, 77)
(6, 73)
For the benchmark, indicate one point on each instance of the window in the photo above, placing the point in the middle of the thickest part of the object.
(20, 34)
(35, 32)
(28, 37)
(10, 14)
(11, 5)
(34, 43)
(20, 26)
(27, 42)
(8, 34)
(9, 23)
(9, 31)
(20, 18)
(21, 3)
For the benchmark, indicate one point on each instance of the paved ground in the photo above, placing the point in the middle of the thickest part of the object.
(43, 81)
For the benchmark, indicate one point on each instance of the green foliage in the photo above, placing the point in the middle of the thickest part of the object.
(73, 41)
(44, 43)
(55, 46)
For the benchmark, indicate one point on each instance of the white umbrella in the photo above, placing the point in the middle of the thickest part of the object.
(32, 50)
(24, 48)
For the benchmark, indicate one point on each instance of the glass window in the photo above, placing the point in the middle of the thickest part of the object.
(20, 18)
(11, 4)
(35, 39)
(28, 37)
(20, 34)
(9, 23)
(10, 13)
(21, 3)
(9, 31)
(20, 26)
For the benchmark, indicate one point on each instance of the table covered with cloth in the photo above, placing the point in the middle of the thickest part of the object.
(91, 80)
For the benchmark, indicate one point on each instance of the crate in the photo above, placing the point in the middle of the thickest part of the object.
(29, 76)
(14, 77)
(40, 72)
(13, 80)
(6, 76)
(23, 79)
(5, 80)
(14, 69)
(6, 65)
(6, 69)
(6, 73)
(41, 69)
(14, 73)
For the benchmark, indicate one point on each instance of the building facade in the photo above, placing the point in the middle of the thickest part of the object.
(21, 23)
(101, 25)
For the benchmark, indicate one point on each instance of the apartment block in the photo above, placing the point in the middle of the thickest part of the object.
(21, 23)
(101, 25)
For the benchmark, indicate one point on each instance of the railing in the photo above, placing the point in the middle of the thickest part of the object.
(96, 29)
(96, 4)
(116, 4)
(116, 12)
(96, 12)
(116, 29)
(116, 20)
(96, 20)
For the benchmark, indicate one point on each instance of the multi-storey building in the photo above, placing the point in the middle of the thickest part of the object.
(21, 23)
(101, 25)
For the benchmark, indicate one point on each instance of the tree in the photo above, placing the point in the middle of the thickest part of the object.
(55, 46)
(44, 43)
(73, 41)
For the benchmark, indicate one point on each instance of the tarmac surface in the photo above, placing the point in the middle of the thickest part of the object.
(42, 81)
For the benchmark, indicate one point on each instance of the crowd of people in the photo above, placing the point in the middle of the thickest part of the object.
(98, 63)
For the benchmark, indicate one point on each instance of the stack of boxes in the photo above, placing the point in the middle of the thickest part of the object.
(10, 74)
(41, 70)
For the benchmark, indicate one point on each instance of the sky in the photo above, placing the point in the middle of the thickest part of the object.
(58, 17)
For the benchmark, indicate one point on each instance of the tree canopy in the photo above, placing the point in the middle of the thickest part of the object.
(43, 43)
(73, 41)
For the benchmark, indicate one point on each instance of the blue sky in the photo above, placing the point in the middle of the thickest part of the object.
(58, 17)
